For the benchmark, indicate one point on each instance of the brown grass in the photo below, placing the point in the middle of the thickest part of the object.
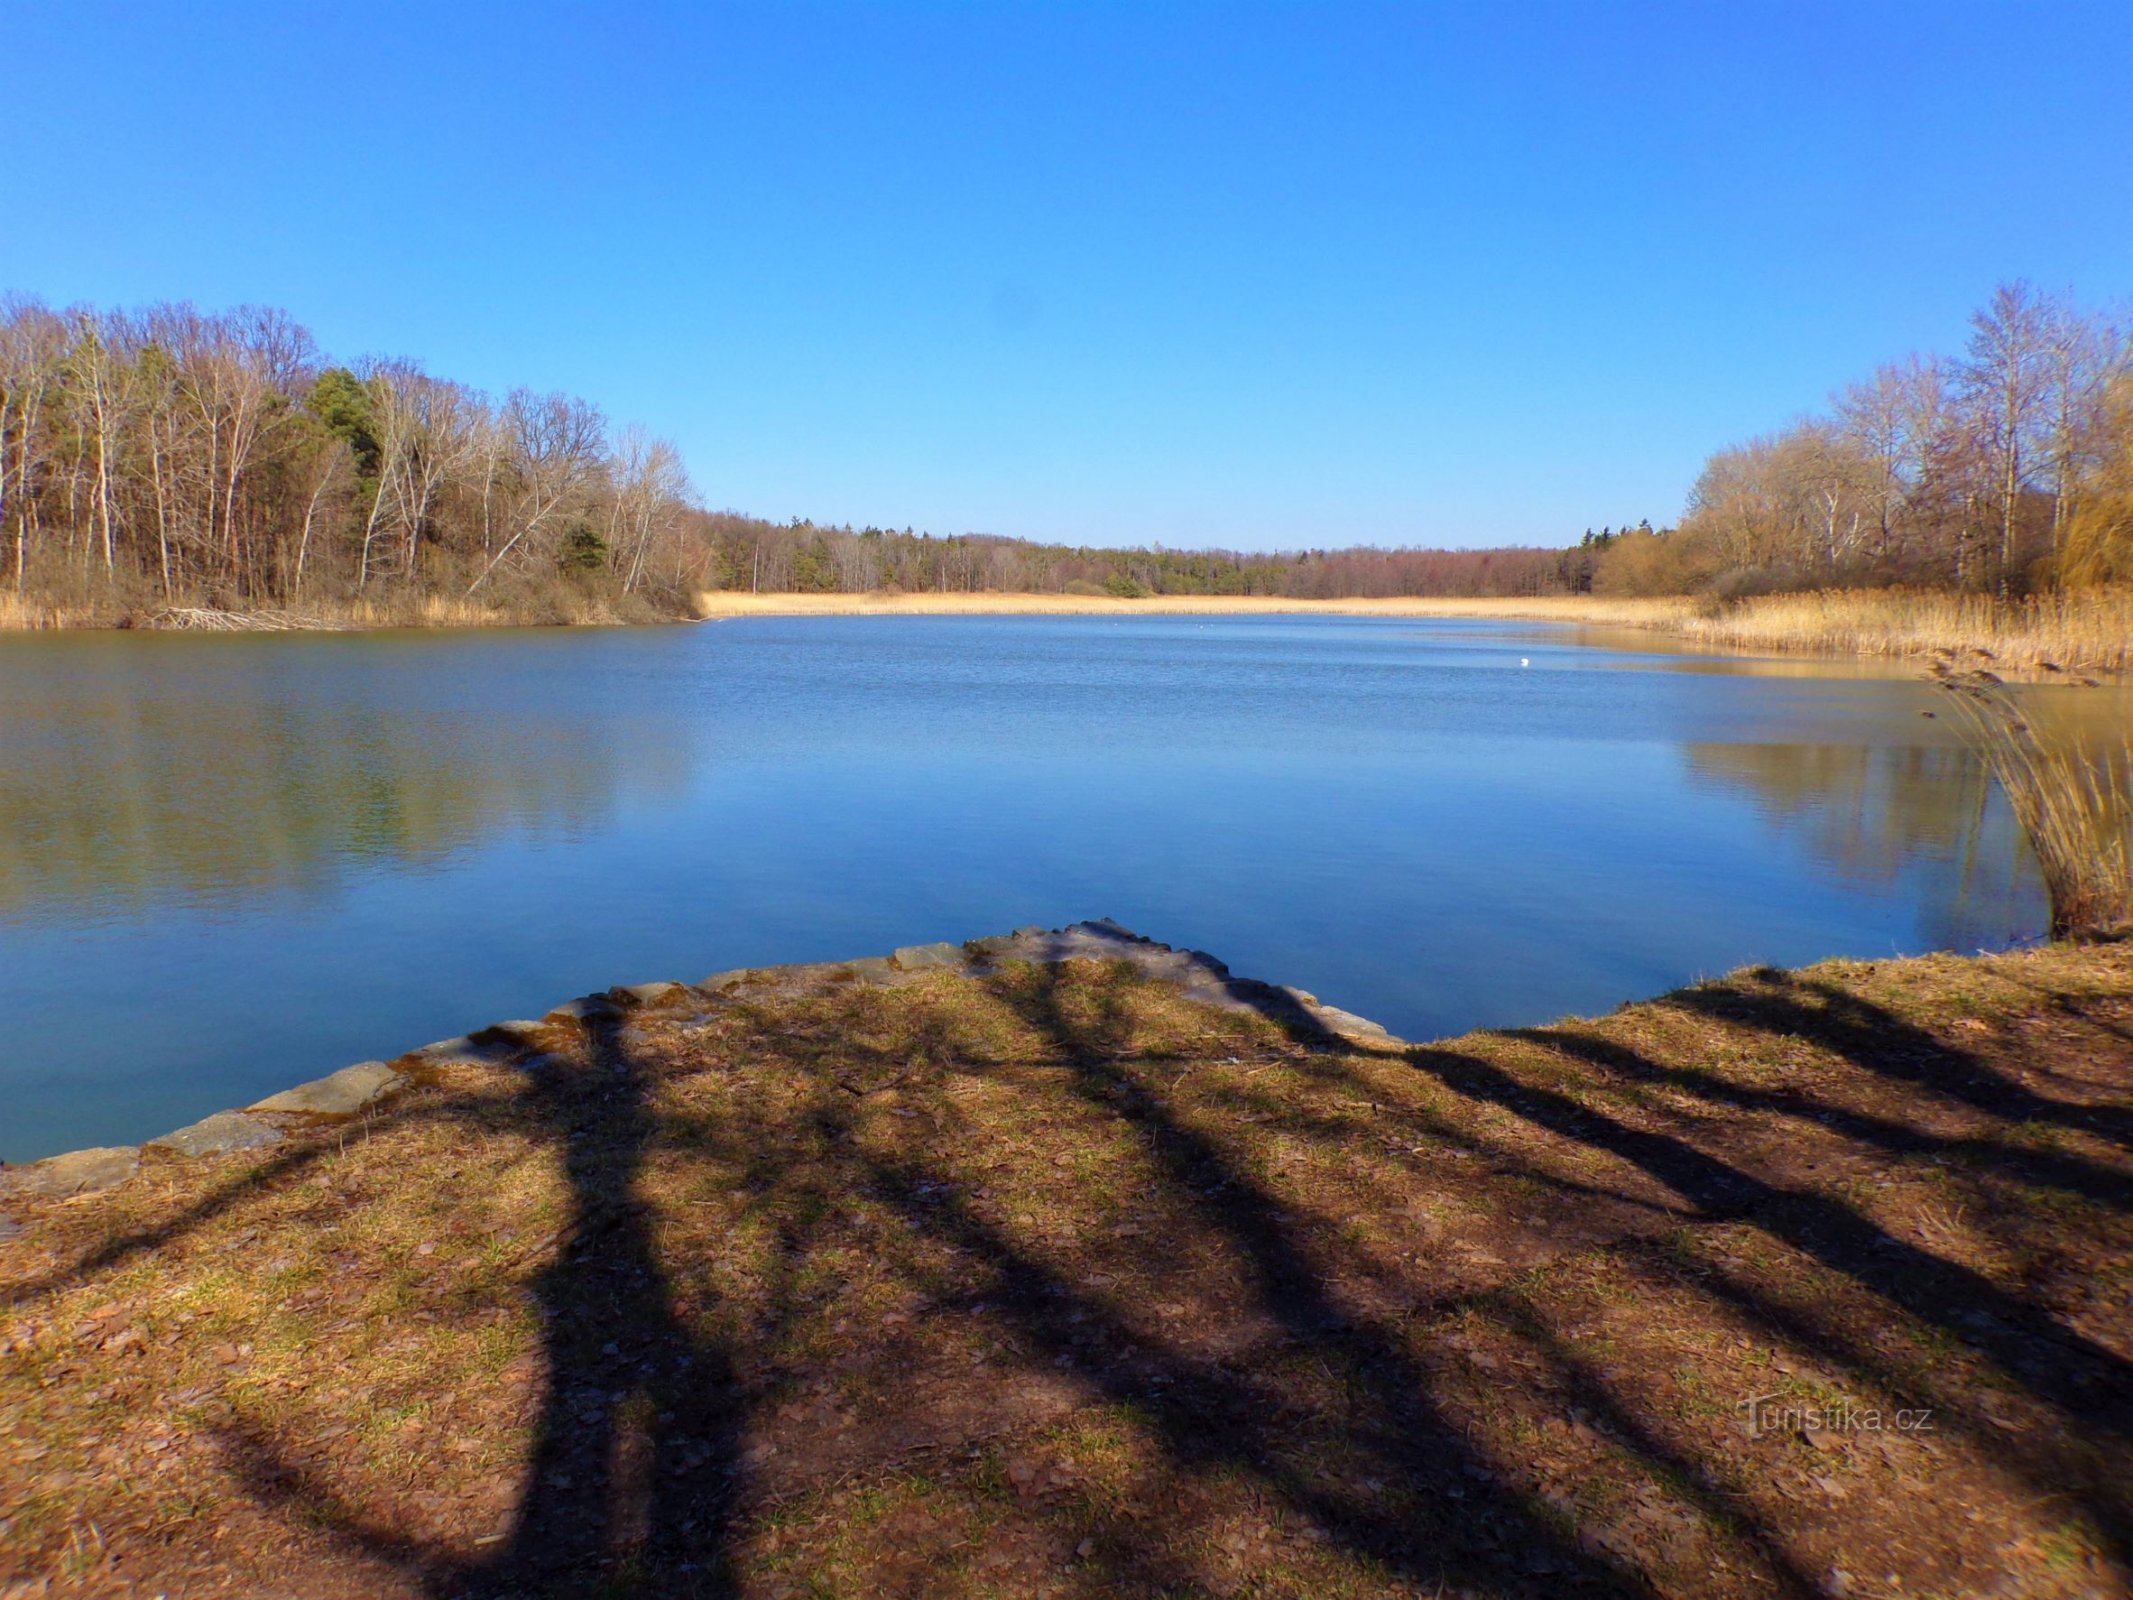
(1055, 1283)
(20, 613)
(2051, 634)
(556, 605)
(2090, 633)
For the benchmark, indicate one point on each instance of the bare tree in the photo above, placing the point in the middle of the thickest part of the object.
(649, 487)
(2006, 377)
(556, 444)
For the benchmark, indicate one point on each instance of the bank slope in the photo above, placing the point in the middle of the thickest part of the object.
(1066, 1277)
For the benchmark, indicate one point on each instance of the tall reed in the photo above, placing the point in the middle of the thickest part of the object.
(2075, 805)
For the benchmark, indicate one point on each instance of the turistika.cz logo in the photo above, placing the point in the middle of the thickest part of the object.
(1769, 1413)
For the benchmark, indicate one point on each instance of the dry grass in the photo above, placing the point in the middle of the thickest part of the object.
(2053, 635)
(19, 613)
(2080, 633)
(553, 606)
(2075, 805)
(1054, 1283)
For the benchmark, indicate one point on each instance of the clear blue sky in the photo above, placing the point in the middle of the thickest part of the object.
(1239, 274)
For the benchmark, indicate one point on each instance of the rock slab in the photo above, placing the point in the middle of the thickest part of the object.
(224, 1133)
(930, 957)
(76, 1172)
(338, 1094)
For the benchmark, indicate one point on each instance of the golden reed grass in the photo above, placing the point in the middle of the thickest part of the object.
(2074, 803)
(2089, 632)
(20, 613)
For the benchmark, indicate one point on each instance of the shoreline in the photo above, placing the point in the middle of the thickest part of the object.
(2081, 638)
(722, 605)
(340, 616)
(2066, 637)
(356, 1088)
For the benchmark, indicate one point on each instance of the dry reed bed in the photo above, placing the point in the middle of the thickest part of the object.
(2082, 633)
(2085, 634)
(22, 614)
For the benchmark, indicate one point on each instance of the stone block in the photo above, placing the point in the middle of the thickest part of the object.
(338, 1094)
(224, 1133)
(76, 1172)
(929, 957)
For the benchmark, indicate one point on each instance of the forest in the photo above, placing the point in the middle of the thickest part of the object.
(168, 457)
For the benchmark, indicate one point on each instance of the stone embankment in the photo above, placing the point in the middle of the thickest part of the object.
(356, 1089)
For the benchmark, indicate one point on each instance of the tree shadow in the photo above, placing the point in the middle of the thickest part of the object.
(633, 1469)
(636, 1481)
(636, 1454)
(1457, 1521)
(2044, 1169)
(1877, 1041)
(2088, 1385)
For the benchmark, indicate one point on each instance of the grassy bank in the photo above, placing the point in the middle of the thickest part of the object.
(559, 606)
(2082, 634)
(1054, 1282)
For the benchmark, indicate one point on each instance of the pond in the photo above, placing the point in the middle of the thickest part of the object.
(231, 863)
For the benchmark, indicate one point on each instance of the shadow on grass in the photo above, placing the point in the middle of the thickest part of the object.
(639, 1479)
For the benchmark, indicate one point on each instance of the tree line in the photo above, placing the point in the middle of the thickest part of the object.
(807, 557)
(2005, 469)
(172, 455)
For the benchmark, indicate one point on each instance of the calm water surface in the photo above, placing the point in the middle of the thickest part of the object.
(228, 864)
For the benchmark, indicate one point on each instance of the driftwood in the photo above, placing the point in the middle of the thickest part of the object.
(199, 619)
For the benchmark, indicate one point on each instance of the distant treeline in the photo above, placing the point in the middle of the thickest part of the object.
(802, 557)
(170, 456)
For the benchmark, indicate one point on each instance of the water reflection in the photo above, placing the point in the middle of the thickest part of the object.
(1873, 815)
(137, 776)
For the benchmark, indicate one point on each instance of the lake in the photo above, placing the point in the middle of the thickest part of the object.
(231, 863)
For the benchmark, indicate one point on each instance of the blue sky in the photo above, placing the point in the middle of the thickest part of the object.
(1251, 275)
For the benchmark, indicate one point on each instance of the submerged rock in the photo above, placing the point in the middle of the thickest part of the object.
(337, 1094)
(221, 1134)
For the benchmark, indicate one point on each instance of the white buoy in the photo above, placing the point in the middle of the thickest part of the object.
(1522, 661)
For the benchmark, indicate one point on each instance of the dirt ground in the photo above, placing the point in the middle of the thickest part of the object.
(1053, 1282)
